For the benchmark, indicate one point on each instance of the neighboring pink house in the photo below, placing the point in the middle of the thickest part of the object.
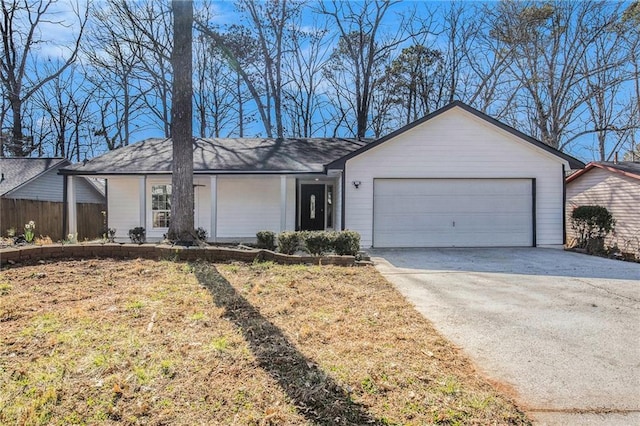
(616, 186)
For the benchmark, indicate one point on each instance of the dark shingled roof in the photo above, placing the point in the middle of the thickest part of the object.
(18, 171)
(233, 155)
(627, 168)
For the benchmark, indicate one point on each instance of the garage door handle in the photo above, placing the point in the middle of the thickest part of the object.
(454, 223)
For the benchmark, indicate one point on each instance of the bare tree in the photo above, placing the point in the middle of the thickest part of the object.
(358, 60)
(256, 52)
(303, 103)
(269, 21)
(20, 75)
(239, 48)
(181, 225)
(65, 107)
(215, 92)
(547, 44)
(218, 105)
(606, 74)
(138, 36)
(630, 28)
(114, 71)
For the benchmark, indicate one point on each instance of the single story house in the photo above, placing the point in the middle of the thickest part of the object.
(457, 177)
(32, 189)
(616, 186)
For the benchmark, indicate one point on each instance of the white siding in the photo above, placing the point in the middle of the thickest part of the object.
(619, 194)
(46, 187)
(456, 144)
(50, 186)
(123, 205)
(248, 204)
(86, 192)
(245, 205)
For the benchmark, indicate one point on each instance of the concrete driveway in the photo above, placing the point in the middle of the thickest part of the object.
(561, 329)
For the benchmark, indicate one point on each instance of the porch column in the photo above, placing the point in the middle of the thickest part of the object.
(142, 185)
(213, 228)
(72, 217)
(338, 201)
(283, 203)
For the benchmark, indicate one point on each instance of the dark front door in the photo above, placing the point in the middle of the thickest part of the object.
(312, 207)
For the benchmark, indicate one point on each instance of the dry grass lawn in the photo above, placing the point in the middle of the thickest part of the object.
(152, 342)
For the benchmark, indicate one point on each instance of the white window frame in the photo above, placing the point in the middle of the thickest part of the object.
(167, 203)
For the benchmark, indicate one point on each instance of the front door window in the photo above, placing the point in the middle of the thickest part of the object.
(312, 205)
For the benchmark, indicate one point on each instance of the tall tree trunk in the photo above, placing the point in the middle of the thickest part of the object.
(240, 108)
(17, 145)
(181, 227)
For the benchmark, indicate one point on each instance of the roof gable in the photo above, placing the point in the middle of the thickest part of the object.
(626, 168)
(17, 172)
(573, 163)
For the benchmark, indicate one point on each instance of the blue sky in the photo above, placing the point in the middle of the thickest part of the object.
(60, 36)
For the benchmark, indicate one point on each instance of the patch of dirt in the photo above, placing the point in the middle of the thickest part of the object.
(148, 342)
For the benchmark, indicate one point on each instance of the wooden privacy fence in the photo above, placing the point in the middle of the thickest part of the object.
(48, 216)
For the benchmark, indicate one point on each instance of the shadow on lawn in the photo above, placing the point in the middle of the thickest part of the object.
(316, 395)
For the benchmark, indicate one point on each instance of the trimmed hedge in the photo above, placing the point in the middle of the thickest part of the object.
(288, 242)
(266, 240)
(318, 242)
(346, 243)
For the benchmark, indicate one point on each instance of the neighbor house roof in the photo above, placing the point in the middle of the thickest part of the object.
(16, 172)
(627, 168)
(232, 155)
(573, 162)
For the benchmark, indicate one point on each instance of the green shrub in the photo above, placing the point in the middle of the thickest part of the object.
(288, 242)
(201, 234)
(592, 224)
(346, 243)
(318, 242)
(138, 235)
(266, 240)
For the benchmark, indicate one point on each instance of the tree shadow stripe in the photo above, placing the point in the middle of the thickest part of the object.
(316, 395)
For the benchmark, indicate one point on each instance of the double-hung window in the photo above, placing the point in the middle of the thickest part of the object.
(160, 205)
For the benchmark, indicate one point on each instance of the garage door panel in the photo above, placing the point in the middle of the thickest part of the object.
(452, 212)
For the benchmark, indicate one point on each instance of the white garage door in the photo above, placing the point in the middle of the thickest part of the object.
(452, 212)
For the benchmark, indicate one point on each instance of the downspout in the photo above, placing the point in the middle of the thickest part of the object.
(106, 205)
(344, 198)
(534, 208)
(564, 207)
